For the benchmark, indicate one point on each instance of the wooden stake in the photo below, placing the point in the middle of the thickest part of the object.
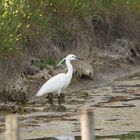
(87, 125)
(11, 125)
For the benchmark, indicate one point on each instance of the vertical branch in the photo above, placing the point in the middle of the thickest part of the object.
(87, 126)
(11, 125)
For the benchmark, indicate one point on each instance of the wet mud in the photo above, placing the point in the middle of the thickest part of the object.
(116, 108)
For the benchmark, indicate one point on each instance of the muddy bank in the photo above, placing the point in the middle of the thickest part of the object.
(103, 71)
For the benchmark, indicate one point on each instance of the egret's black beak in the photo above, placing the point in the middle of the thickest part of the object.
(79, 58)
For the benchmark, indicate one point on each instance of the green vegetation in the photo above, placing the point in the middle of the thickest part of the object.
(44, 62)
(2, 98)
(12, 24)
(21, 20)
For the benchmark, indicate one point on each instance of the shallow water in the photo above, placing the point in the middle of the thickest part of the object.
(116, 108)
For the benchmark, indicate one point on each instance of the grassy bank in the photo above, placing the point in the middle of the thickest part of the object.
(21, 21)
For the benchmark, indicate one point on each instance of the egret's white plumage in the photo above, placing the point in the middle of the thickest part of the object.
(59, 82)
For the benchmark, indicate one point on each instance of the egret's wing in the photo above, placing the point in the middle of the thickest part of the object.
(52, 85)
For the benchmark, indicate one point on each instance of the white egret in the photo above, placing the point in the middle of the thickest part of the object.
(59, 82)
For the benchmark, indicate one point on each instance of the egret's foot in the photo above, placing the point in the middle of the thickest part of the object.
(50, 99)
(60, 108)
(61, 98)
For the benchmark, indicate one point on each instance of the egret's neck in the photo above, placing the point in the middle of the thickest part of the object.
(70, 68)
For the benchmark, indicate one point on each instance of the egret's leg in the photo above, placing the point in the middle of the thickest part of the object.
(61, 98)
(50, 98)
